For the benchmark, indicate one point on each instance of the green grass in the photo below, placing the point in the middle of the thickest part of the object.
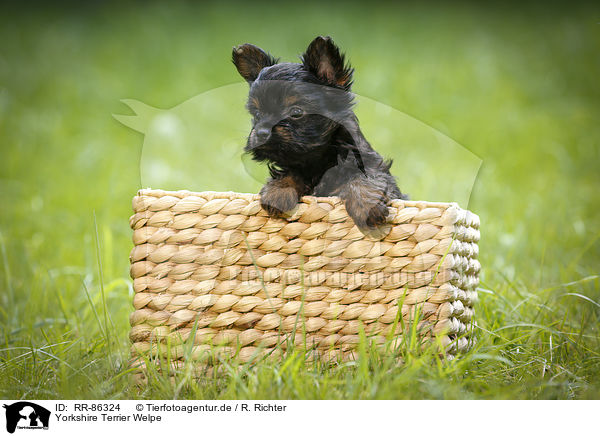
(515, 85)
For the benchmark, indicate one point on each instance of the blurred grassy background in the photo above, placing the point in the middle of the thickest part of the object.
(517, 85)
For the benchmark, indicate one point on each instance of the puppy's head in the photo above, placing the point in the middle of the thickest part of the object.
(297, 108)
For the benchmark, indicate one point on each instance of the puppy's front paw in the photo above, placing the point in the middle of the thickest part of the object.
(369, 211)
(277, 200)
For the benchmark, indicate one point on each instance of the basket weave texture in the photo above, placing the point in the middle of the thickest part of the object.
(214, 262)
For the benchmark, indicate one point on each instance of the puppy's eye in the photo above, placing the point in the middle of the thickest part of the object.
(296, 112)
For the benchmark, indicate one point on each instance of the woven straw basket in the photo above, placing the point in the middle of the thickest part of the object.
(214, 265)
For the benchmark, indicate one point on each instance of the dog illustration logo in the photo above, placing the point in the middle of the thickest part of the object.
(198, 145)
(24, 414)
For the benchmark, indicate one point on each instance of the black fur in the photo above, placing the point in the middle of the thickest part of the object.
(305, 129)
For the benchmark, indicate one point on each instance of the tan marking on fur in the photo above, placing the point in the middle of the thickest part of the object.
(288, 182)
(290, 100)
(343, 80)
(283, 133)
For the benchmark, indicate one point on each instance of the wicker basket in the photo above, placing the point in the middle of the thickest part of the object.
(216, 264)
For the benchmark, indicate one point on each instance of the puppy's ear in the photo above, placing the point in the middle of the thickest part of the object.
(250, 59)
(324, 60)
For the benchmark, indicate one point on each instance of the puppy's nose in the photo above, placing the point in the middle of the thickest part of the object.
(263, 134)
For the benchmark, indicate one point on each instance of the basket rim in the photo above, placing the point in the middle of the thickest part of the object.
(309, 199)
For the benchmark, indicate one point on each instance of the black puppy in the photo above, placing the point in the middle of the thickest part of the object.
(304, 127)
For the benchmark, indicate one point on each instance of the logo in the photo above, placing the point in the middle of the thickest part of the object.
(26, 415)
(211, 128)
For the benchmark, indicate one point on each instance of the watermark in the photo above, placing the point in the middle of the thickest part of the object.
(25, 415)
(199, 145)
(270, 417)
